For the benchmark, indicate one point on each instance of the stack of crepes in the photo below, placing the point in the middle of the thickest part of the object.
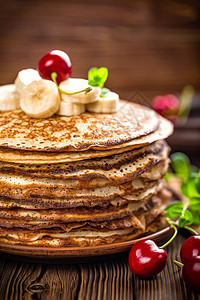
(86, 180)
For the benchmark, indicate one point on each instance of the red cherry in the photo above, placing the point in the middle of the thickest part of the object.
(190, 248)
(146, 259)
(167, 105)
(191, 273)
(55, 61)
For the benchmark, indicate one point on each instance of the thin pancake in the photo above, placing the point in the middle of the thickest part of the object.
(60, 239)
(83, 132)
(24, 189)
(79, 214)
(33, 157)
(119, 167)
(151, 172)
(42, 203)
(124, 222)
(136, 210)
(79, 238)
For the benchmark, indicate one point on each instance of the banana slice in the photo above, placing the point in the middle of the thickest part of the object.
(25, 77)
(9, 97)
(105, 104)
(72, 85)
(70, 109)
(40, 99)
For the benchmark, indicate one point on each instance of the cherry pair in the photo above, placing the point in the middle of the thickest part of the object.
(190, 257)
(146, 259)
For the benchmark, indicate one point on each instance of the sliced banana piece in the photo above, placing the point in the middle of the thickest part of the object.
(9, 97)
(40, 99)
(72, 85)
(70, 109)
(107, 103)
(25, 77)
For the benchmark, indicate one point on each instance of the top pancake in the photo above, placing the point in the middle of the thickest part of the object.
(79, 133)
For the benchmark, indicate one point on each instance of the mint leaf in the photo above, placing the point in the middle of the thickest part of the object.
(104, 91)
(196, 216)
(93, 83)
(195, 203)
(168, 176)
(198, 182)
(186, 213)
(186, 218)
(92, 72)
(97, 77)
(174, 210)
(92, 77)
(181, 165)
(103, 74)
(190, 187)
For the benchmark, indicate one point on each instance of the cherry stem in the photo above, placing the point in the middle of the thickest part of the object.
(178, 263)
(173, 236)
(191, 230)
(54, 76)
(174, 225)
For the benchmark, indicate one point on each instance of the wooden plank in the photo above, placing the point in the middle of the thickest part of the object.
(100, 280)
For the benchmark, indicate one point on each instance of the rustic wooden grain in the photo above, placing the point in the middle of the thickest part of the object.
(100, 280)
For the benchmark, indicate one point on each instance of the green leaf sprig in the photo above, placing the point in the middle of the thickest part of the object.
(188, 212)
(97, 77)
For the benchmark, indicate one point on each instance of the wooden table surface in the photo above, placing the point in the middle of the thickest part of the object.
(100, 280)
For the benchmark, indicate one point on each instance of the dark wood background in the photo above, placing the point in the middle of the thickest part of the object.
(148, 46)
